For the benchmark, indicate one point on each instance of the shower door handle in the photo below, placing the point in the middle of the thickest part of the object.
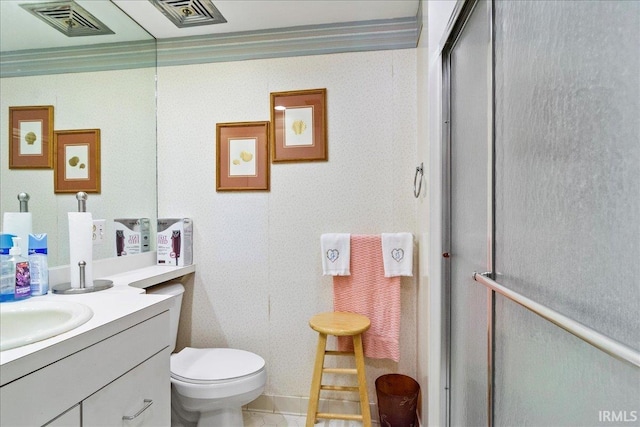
(607, 344)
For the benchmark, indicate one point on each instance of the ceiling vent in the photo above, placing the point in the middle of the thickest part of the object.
(68, 17)
(190, 13)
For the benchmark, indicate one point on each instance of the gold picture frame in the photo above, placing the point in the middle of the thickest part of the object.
(299, 126)
(31, 137)
(77, 161)
(242, 156)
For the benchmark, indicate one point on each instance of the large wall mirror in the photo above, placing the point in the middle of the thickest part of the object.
(103, 81)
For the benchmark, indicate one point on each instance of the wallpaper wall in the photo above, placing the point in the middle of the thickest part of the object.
(259, 275)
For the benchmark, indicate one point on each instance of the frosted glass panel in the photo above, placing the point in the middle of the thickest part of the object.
(567, 80)
(469, 171)
(568, 158)
(545, 376)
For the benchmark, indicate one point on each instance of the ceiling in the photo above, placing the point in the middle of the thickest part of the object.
(20, 30)
(253, 15)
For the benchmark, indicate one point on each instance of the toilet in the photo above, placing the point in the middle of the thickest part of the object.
(209, 386)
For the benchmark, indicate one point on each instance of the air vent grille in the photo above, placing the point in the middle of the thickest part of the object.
(69, 18)
(190, 13)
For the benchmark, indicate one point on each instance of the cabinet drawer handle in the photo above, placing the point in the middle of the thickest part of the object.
(147, 403)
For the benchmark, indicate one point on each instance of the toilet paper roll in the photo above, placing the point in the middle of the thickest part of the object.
(19, 224)
(80, 247)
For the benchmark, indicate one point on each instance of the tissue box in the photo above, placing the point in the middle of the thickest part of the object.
(175, 241)
(132, 235)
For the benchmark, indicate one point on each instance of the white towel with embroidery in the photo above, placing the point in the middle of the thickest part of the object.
(336, 254)
(397, 254)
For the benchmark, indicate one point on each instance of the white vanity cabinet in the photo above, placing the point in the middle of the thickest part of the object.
(139, 398)
(71, 418)
(105, 369)
(109, 379)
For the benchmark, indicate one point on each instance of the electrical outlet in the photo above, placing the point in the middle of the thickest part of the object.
(99, 226)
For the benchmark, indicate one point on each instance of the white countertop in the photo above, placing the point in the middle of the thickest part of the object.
(114, 309)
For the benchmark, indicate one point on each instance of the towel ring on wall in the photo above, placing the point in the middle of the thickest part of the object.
(419, 170)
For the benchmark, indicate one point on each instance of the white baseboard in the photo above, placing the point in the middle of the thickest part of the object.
(297, 405)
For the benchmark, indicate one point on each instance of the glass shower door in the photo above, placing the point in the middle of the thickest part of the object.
(567, 148)
(469, 245)
(543, 157)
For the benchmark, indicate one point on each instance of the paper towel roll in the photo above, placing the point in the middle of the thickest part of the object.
(19, 224)
(80, 247)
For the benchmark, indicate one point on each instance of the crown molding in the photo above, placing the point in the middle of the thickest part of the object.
(99, 57)
(402, 33)
(389, 34)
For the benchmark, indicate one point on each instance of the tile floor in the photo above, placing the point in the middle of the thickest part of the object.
(268, 419)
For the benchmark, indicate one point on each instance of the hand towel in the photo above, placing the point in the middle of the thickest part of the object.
(336, 254)
(366, 291)
(397, 254)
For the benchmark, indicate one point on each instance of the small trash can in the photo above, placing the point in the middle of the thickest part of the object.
(397, 400)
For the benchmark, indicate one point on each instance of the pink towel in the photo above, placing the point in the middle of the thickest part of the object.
(366, 291)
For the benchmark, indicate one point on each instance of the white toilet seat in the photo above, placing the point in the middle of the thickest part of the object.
(217, 373)
(208, 366)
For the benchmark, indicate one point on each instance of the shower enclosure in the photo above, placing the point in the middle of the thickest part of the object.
(542, 217)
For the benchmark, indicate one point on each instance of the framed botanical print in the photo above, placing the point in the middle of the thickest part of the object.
(242, 156)
(299, 126)
(31, 137)
(77, 161)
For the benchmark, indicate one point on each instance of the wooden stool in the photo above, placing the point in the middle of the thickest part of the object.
(339, 324)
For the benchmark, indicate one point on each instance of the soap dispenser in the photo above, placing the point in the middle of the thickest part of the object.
(20, 266)
(19, 223)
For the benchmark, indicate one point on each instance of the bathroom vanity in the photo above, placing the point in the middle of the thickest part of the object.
(112, 370)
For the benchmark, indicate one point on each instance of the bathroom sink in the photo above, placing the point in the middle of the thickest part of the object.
(26, 322)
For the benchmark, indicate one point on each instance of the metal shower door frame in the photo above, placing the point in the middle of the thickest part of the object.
(455, 27)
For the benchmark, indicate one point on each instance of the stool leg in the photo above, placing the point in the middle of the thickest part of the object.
(362, 380)
(314, 395)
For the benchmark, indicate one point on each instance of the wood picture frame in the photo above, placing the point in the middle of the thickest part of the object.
(31, 137)
(299, 126)
(242, 156)
(77, 161)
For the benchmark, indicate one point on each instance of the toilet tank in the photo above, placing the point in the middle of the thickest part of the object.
(175, 289)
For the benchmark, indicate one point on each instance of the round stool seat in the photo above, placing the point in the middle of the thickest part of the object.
(339, 323)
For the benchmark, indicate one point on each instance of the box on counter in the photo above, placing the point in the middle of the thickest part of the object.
(175, 241)
(132, 235)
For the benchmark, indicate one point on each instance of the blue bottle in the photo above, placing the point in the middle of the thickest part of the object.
(7, 273)
(39, 266)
